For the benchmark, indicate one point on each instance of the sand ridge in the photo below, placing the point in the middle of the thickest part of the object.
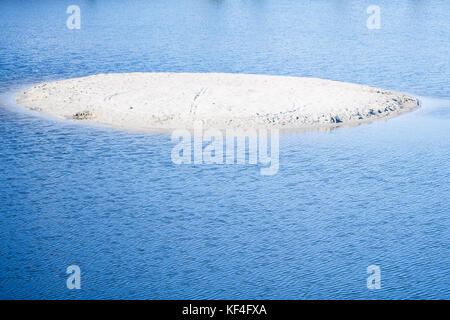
(165, 101)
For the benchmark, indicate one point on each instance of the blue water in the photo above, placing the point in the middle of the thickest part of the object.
(140, 227)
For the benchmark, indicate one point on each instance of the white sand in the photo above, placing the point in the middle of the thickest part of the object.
(164, 101)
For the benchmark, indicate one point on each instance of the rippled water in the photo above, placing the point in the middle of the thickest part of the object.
(139, 226)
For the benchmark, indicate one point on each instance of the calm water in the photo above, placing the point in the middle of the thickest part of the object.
(139, 226)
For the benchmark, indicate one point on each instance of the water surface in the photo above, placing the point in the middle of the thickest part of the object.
(139, 226)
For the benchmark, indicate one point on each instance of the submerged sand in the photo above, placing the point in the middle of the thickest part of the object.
(164, 101)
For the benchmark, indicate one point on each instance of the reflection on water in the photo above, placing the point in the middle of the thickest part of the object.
(139, 226)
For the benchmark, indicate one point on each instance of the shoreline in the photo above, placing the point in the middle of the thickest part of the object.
(162, 102)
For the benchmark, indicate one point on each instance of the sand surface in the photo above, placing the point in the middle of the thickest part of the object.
(165, 101)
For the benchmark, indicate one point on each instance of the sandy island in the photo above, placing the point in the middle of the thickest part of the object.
(165, 101)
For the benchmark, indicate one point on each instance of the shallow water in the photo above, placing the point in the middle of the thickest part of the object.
(139, 226)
